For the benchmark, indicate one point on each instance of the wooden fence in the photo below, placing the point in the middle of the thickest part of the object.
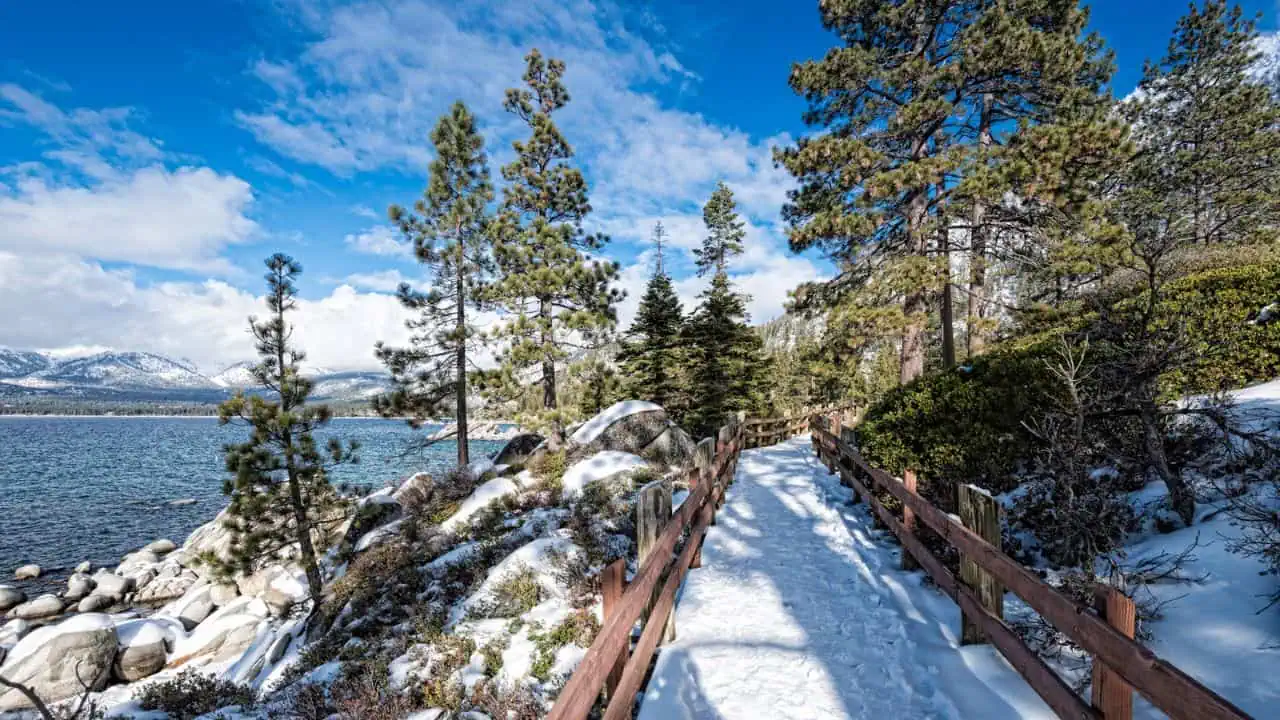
(1121, 665)
(612, 665)
(761, 432)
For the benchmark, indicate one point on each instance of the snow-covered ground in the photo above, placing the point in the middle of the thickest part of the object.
(800, 611)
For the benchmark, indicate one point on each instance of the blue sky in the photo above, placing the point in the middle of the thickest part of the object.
(151, 153)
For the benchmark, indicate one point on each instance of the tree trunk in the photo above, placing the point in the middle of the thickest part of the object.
(460, 400)
(555, 438)
(975, 334)
(914, 304)
(947, 311)
(1181, 498)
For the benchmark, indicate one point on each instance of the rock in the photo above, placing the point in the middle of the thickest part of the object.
(78, 585)
(223, 593)
(42, 607)
(257, 583)
(213, 537)
(143, 648)
(144, 578)
(13, 631)
(373, 512)
(11, 597)
(629, 426)
(161, 547)
(418, 483)
(518, 449)
(27, 572)
(225, 634)
(109, 583)
(179, 558)
(672, 448)
(84, 567)
(96, 603)
(196, 606)
(55, 660)
(166, 588)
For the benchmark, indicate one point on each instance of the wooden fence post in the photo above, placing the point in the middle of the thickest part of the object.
(1112, 696)
(613, 581)
(653, 511)
(909, 520)
(980, 513)
(847, 474)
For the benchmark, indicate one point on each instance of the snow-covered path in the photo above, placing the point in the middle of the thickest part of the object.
(799, 611)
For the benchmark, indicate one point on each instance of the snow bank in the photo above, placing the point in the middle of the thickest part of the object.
(592, 428)
(479, 500)
(598, 467)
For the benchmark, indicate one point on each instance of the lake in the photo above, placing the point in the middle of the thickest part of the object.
(95, 488)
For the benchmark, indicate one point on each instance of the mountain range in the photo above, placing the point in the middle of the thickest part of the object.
(148, 377)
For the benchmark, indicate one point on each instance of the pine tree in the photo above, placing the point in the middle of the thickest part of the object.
(1206, 171)
(725, 232)
(650, 355)
(558, 297)
(725, 366)
(449, 236)
(281, 497)
(903, 101)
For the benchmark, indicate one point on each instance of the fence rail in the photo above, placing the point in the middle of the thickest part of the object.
(760, 432)
(611, 665)
(1121, 665)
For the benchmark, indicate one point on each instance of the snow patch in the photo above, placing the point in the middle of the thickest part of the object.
(479, 499)
(592, 428)
(598, 467)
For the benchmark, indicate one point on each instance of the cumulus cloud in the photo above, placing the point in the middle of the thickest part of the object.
(378, 240)
(81, 303)
(385, 281)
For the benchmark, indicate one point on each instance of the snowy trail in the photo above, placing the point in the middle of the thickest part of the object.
(799, 611)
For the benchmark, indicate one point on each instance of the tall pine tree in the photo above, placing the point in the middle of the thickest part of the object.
(281, 498)
(650, 355)
(559, 299)
(449, 236)
(725, 366)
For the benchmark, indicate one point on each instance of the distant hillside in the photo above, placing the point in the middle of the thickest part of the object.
(786, 331)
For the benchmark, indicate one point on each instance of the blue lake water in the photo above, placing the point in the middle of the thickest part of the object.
(95, 488)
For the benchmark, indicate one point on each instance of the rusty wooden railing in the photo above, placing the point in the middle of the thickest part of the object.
(612, 665)
(1121, 665)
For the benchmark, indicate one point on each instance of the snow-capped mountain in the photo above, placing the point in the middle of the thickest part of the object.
(18, 363)
(143, 376)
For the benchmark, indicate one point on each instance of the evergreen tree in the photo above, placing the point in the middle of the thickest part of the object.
(449, 236)
(280, 493)
(725, 366)
(1206, 171)
(558, 297)
(650, 355)
(903, 101)
(725, 232)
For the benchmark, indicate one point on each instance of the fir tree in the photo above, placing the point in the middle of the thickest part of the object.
(725, 232)
(281, 497)
(650, 356)
(725, 366)
(1206, 171)
(449, 236)
(558, 297)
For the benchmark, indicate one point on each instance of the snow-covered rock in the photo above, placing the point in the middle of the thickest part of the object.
(55, 660)
(27, 572)
(224, 634)
(78, 585)
(143, 647)
(479, 499)
(518, 449)
(42, 607)
(192, 608)
(600, 466)
(13, 631)
(213, 537)
(168, 587)
(11, 597)
(636, 427)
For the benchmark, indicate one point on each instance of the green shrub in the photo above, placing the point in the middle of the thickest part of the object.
(191, 694)
(549, 466)
(516, 594)
(579, 628)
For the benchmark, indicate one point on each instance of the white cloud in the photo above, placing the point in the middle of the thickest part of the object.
(386, 281)
(379, 240)
(103, 191)
(81, 304)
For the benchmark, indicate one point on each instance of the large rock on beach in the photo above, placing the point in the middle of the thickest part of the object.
(96, 603)
(168, 585)
(108, 583)
(11, 597)
(143, 647)
(518, 449)
(161, 547)
(195, 606)
(223, 635)
(59, 661)
(27, 572)
(84, 567)
(212, 538)
(42, 607)
(78, 586)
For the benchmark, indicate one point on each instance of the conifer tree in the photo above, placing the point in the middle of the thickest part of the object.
(449, 237)
(903, 100)
(1206, 171)
(725, 366)
(558, 297)
(281, 497)
(650, 354)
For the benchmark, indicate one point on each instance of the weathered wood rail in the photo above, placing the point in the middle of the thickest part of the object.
(761, 432)
(612, 665)
(1121, 665)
